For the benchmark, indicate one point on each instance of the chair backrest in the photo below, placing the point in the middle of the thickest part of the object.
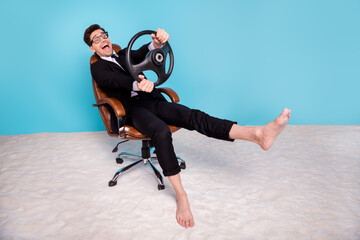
(99, 93)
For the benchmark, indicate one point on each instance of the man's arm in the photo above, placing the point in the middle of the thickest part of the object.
(137, 56)
(106, 75)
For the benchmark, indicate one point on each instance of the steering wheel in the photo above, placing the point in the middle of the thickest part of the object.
(155, 60)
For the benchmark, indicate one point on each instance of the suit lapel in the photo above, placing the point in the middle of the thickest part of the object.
(123, 65)
(121, 61)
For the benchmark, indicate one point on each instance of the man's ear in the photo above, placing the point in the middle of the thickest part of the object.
(92, 49)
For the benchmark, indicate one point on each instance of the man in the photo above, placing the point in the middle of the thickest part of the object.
(149, 112)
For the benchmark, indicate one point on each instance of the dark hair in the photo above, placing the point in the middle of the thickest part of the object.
(88, 32)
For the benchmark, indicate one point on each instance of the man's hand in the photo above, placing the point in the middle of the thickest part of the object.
(145, 85)
(160, 38)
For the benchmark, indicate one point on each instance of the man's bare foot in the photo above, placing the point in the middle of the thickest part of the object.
(267, 134)
(183, 213)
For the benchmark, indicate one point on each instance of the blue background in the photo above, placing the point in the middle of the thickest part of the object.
(241, 60)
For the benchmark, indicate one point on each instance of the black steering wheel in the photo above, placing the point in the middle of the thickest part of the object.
(155, 60)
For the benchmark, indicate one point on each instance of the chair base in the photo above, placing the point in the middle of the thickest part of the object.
(146, 152)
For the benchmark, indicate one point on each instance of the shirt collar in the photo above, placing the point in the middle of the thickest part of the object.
(110, 58)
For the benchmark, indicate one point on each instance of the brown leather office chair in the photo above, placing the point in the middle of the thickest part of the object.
(126, 132)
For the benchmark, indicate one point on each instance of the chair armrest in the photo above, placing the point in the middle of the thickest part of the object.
(114, 103)
(171, 93)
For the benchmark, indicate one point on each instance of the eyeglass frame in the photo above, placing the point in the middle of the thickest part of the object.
(98, 37)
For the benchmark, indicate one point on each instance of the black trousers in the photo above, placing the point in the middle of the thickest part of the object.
(152, 118)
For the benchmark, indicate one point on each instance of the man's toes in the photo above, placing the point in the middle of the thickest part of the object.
(284, 113)
(180, 222)
(288, 115)
(183, 223)
(287, 111)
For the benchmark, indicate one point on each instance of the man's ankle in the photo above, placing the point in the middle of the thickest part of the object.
(181, 195)
(258, 135)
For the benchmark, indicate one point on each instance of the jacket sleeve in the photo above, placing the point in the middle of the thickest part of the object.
(137, 56)
(107, 76)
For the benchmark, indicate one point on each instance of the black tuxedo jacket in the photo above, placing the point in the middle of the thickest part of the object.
(118, 83)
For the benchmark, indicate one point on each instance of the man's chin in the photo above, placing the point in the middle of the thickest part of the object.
(106, 54)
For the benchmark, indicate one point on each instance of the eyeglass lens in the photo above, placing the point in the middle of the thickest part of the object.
(97, 38)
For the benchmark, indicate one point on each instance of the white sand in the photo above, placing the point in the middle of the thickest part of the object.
(54, 186)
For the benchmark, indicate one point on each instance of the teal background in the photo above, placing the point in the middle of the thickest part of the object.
(241, 60)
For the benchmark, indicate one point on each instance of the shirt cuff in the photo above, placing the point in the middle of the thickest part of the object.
(151, 46)
(135, 86)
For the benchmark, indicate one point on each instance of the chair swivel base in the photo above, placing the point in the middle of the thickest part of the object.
(146, 158)
(161, 185)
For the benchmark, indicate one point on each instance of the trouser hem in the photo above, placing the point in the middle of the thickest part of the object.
(172, 172)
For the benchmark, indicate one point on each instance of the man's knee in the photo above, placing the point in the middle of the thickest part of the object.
(163, 134)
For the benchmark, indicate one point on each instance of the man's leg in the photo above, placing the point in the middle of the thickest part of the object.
(264, 136)
(182, 116)
(183, 212)
(153, 127)
(150, 125)
(193, 119)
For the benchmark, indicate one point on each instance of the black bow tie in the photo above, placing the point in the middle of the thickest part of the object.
(114, 55)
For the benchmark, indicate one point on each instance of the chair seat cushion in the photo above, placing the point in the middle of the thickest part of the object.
(129, 132)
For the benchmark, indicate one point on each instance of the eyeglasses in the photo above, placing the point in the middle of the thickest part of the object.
(97, 39)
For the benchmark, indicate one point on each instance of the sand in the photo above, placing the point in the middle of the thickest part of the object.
(54, 186)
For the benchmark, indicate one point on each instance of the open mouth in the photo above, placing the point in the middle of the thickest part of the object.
(106, 47)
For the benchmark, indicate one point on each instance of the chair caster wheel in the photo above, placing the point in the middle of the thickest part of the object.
(119, 160)
(112, 183)
(182, 165)
(161, 187)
